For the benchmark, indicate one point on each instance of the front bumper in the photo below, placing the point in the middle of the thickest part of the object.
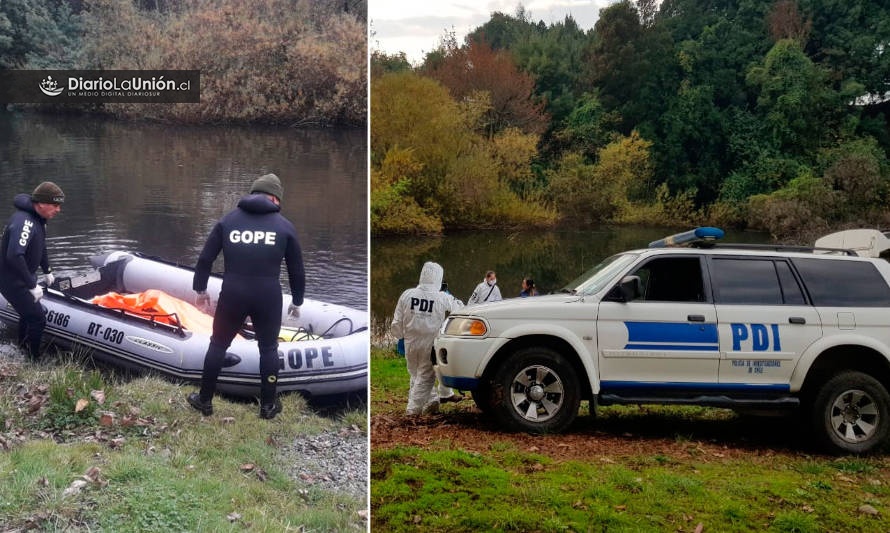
(462, 360)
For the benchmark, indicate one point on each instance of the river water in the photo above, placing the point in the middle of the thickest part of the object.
(550, 258)
(158, 189)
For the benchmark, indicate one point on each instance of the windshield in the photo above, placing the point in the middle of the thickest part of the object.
(597, 277)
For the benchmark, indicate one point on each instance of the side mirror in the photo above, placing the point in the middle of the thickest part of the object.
(628, 290)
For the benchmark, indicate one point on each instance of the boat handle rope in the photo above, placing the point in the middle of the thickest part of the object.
(328, 331)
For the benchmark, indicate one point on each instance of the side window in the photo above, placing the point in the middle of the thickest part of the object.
(791, 291)
(838, 283)
(745, 281)
(671, 279)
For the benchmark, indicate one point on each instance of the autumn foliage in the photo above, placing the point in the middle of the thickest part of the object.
(766, 114)
(433, 168)
(293, 62)
(476, 68)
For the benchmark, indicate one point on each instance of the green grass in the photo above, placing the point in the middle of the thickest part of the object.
(165, 468)
(442, 487)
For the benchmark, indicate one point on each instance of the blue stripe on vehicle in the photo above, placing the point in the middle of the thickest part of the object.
(679, 385)
(460, 383)
(687, 332)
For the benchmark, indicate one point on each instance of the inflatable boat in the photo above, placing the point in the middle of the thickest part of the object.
(323, 352)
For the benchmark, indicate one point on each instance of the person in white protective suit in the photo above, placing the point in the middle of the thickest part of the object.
(487, 291)
(419, 314)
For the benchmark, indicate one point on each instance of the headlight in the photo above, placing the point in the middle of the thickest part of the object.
(468, 327)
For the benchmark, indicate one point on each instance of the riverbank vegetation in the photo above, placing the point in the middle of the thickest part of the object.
(291, 62)
(93, 450)
(765, 114)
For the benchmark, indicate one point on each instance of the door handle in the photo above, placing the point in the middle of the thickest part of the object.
(797, 320)
(695, 318)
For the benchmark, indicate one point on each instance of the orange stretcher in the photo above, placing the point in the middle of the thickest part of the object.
(161, 307)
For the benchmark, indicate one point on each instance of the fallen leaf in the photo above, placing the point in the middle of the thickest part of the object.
(620, 507)
(117, 443)
(107, 419)
(74, 488)
(98, 395)
(247, 467)
(868, 509)
(362, 513)
(261, 475)
(35, 403)
(699, 528)
(92, 474)
(417, 519)
(128, 420)
(233, 517)
(227, 420)
(81, 404)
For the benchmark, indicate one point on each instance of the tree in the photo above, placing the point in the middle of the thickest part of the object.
(381, 63)
(428, 159)
(38, 34)
(476, 67)
(795, 99)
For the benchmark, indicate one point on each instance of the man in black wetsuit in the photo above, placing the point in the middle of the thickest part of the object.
(253, 238)
(24, 249)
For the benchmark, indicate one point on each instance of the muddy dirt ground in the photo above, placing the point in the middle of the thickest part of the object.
(643, 431)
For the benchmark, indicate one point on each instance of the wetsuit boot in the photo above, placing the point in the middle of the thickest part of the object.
(213, 363)
(269, 403)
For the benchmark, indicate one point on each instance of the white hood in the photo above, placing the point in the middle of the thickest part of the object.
(431, 275)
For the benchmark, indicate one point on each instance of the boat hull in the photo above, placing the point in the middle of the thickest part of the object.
(335, 363)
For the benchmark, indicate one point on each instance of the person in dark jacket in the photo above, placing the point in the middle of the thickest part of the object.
(24, 249)
(254, 238)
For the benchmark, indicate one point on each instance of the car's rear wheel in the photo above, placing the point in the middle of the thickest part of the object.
(540, 391)
(851, 413)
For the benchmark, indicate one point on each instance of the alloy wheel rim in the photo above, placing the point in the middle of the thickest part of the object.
(537, 393)
(854, 416)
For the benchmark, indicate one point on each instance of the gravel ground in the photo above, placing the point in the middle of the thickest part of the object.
(333, 461)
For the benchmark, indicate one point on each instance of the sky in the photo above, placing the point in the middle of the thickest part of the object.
(417, 27)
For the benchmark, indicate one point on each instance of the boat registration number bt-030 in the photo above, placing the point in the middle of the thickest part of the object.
(109, 334)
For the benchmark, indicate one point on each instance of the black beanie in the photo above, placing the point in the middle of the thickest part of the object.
(269, 184)
(48, 193)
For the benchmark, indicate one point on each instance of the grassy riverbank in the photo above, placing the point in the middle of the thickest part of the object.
(630, 469)
(90, 449)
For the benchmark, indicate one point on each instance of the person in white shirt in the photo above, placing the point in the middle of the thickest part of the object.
(487, 291)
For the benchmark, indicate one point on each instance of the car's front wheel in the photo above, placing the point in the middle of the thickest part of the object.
(851, 413)
(483, 396)
(540, 391)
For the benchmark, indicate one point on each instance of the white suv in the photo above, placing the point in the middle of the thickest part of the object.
(753, 328)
